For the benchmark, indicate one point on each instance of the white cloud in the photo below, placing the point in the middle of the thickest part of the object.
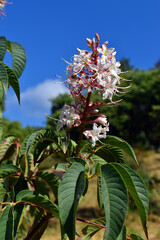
(34, 103)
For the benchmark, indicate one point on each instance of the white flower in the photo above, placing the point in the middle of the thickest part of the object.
(97, 133)
(102, 120)
(105, 51)
(67, 117)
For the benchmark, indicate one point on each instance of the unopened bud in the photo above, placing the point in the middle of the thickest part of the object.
(79, 51)
(105, 43)
(97, 37)
(89, 41)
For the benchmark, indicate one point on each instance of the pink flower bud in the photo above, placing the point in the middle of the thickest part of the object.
(97, 37)
(89, 41)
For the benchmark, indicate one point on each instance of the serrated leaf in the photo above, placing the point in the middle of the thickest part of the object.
(3, 47)
(7, 170)
(13, 81)
(51, 180)
(1, 109)
(5, 144)
(71, 148)
(136, 237)
(137, 189)
(114, 196)
(3, 193)
(69, 192)
(90, 230)
(38, 200)
(76, 159)
(39, 149)
(110, 154)
(96, 159)
(3, 221)
(41, 135)
(19, 57)
(4, 76)
(122, 144)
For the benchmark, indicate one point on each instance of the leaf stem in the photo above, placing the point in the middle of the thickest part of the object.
(92, 223)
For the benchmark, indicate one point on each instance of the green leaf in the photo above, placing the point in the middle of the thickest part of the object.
(38, 200)
(110, 154)
(136, 237)
(3, 193)
(40, 223)
(137, 189)
(13, 81)
(71, 148)
(10, 224)
(122, 144)
(51, 180)
(99, 191)
(41, 135)
(1, 109)
(40, 187)
(3, 221)
(96, 159)
(90, 230)
(122, 235)
(4, 76)
(3, 47)
(7, 170)
(19, 57)
(5, 150)
(76, 159)
(69, 192)
(114, 196)
(41, 146)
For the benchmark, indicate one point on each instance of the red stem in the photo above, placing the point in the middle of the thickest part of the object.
(83, 123)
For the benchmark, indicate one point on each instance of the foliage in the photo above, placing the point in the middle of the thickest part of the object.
(15, 128)
(47, 176)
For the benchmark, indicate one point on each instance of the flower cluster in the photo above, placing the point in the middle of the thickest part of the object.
(2, 6)
(95, 70)
(96, 133)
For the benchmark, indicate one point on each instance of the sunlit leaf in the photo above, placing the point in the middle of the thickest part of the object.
(38, 200)
(3, 222)
(3, 47)
(137, 189)
(40, 136)
(7, 170)
(122, 144)
(69, 193)
(13, 81)
(110, 154)
(19, 57)
(5, 147)
(3, 192)
(4, 76)
(1, 109)
(115, 200)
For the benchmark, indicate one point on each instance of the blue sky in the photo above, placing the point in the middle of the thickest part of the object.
(50, 29)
